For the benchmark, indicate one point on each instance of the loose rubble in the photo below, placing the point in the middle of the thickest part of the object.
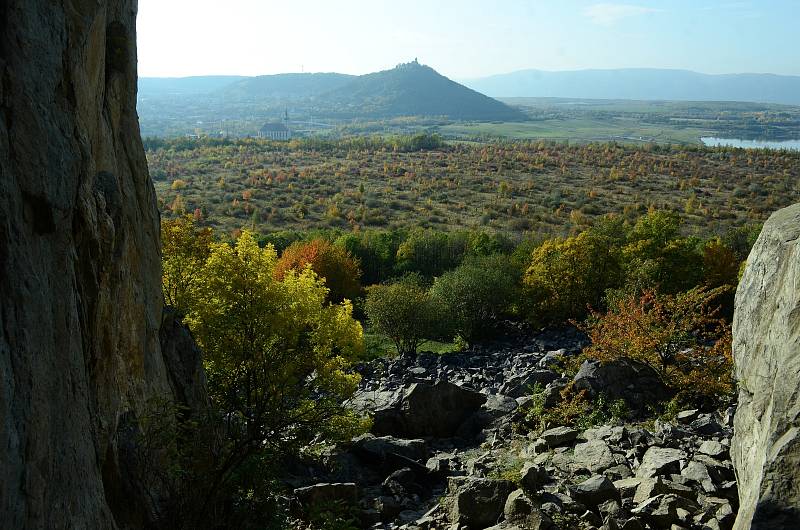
(444, 454)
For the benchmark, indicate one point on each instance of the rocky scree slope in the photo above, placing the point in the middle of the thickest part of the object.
(444, 453)
(80, 289)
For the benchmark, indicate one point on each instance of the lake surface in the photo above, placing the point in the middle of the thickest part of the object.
(751, 144)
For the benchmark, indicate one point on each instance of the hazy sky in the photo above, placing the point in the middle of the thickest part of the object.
(465, 38)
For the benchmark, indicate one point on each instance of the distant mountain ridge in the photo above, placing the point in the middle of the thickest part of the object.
(642, 84)
(186, 86)
(409, 89)
(415, 89)
(290, 86)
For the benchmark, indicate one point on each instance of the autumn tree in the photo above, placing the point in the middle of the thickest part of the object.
(185, 248)
(332, 263)
(277, 357)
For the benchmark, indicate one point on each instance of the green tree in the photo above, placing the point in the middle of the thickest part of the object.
(404, 312)
(567, 276)
(656, 256)
(475, 294)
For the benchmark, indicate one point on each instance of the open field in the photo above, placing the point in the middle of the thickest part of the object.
(513, 187)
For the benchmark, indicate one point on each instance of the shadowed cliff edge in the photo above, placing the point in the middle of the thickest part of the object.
(80, 292)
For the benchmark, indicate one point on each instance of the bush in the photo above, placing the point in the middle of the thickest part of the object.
(334, 264)
(475, 294)
(403, 311)
(657, 257)
(679, 336)
(566, 276)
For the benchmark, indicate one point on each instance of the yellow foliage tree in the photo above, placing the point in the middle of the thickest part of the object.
(566, 276)
(276, 354)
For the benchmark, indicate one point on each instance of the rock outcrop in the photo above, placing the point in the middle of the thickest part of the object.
(80, 300)
(766, 349)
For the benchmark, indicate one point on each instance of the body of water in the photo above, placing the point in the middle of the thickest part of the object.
(751, 144)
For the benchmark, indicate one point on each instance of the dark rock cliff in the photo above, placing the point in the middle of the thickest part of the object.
(80, 300)
(766, 349)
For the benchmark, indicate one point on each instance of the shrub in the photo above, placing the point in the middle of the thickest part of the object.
(334, 264)
(657, 257)
(475, 295)
(403, 311)
(679, 336)
(566, 276)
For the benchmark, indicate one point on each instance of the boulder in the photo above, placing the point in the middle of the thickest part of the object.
(559, 436)
(518, 506)
(660, 461)
(522, 385)
(766, 351)
(324, 493)
(594, 456)
(533, 477)
(380, 446)
(594, 491)
(479, 502)
(423, 410)
(634, 382)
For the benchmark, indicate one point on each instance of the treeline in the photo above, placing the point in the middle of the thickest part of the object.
(398, 143)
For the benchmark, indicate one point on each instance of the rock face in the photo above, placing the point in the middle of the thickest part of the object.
(80, 300)
(766, 349)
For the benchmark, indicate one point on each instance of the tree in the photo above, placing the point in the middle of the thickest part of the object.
(339, 269)
(475, 294)
(566, 276)
(657, 257)
(403, 311)
(185, 248)
(277, 357)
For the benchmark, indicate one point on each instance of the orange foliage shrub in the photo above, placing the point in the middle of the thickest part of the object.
(340, 270)
(680, 336)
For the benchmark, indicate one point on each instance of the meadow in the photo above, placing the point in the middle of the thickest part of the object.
(518, 187)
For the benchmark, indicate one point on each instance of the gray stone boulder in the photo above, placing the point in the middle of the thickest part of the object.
(634, 382)
(594, 456)
(559, 436)
(380, 446)
(660, 461)
(324, 493)
(428, 410)
(479, 502)
(594, 491)
(766, 351)
(533, 477)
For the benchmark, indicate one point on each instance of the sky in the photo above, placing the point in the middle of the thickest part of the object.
(465, 39)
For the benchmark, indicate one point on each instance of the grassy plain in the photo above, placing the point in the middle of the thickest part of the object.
(519, 188)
